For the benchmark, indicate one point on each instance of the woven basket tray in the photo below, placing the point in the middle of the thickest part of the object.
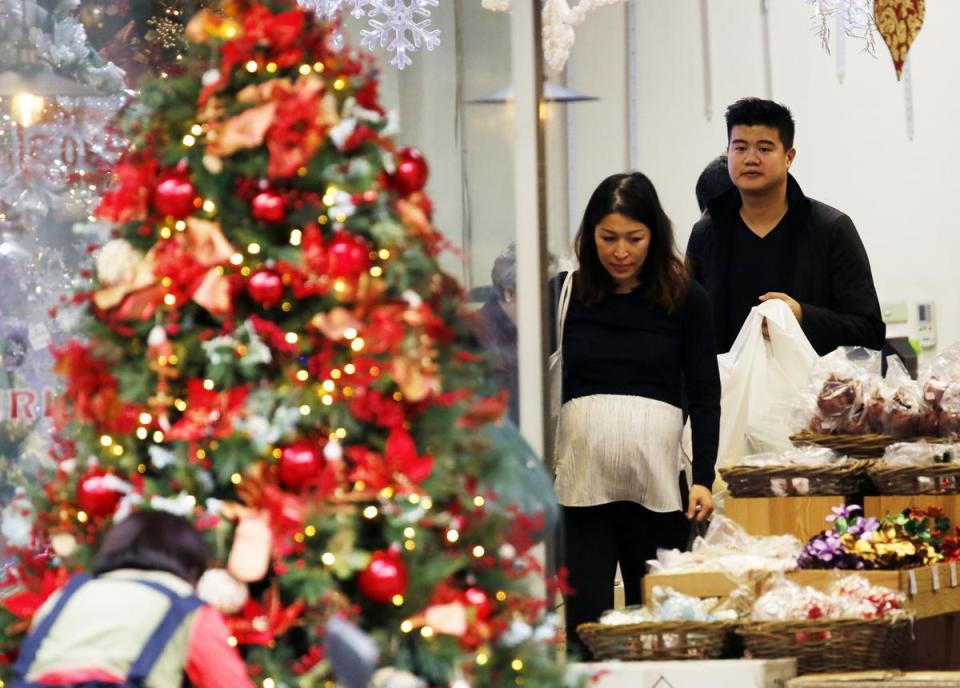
(656, 640)
(829, 645)
(936, 478)
(783, 481)
(859, 446)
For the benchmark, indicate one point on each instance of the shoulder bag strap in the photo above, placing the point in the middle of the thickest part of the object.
(180, 608)
(562, 306)
(28, 651)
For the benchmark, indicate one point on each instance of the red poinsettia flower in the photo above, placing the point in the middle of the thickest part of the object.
(129, 199)
(399, 462)
(37, 589)
(386, 328)
(210, 414)
(91, 391)
(261, 624)
(368, 97)
(373, 406)
(273, 335)
(295, 135)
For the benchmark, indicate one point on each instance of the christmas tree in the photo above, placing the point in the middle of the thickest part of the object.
(276, 354)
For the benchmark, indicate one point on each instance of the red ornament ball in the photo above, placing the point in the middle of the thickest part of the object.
(265, 287)
(384, 577)
(411, 173)
(480, 601)
(95, 497)
(269, 206)
(299, 462)
(349, 255)
(174, 196)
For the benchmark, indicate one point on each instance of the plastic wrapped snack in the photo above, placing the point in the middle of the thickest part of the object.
(851, 597)
(786, 601)
(670, 605)
(841, 385)
(796, 456)
(941, 395)
(728, 548)
(949, 416)
(854, 597)
(919, 454)
(902, 401)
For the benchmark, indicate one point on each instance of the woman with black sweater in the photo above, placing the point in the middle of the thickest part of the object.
(637, 340)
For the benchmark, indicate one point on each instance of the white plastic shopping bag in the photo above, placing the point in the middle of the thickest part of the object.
(760, 378)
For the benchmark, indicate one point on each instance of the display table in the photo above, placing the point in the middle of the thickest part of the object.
(720, 673)
(799, 516)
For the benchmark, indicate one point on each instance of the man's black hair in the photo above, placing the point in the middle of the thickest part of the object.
(751, 112)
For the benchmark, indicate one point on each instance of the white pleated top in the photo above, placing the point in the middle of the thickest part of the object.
(613, 448)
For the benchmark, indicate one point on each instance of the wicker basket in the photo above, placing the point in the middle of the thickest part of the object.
(859, 446)
(934, 478)
(783, 481)
(656, 640)
(830, 645)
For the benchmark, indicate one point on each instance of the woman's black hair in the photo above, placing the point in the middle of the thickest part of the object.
(154, 541)
(663, 278)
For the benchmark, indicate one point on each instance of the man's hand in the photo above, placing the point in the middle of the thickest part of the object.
(701, 503)
(794, 306)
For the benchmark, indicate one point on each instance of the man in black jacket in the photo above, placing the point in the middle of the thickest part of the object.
(764, 239)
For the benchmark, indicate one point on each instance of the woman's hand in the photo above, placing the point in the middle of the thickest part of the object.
(700, 506)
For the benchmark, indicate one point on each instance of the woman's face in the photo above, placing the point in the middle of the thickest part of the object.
(622, 245)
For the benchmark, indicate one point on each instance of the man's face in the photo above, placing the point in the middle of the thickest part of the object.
(756, 158)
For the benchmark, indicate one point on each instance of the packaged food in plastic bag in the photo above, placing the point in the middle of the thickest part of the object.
(851, 597)
(854, 597)
(919, 454)
(841, 384)
(785, 600)
(727, 547)
(949, 416)
(902, 401)
(796, 456)
(941, 395)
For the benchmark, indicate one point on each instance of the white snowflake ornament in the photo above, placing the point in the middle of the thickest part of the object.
(405, 28)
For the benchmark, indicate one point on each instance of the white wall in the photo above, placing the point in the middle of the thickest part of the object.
(852, 149)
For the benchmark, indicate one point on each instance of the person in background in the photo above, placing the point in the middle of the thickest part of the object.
(497, 327)
(638, 333)
(713, 181)
(766, 240)
(137, 621)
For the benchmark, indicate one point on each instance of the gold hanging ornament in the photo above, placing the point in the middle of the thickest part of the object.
(899, 22)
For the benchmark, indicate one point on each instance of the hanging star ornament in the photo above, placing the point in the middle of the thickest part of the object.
(899, 22)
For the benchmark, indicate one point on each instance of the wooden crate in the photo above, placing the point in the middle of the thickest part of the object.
(799, 516)
(695, 584)
(930, 591)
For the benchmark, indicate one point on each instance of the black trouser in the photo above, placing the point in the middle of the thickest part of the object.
(596, 538)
